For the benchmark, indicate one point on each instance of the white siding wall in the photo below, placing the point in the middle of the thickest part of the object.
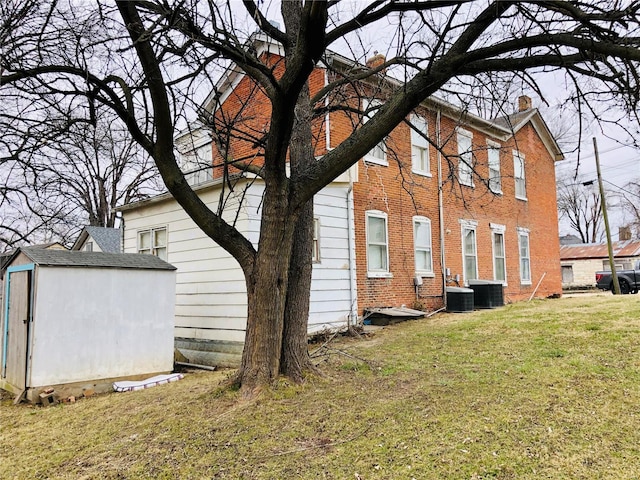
(210, 289)
(99, 323)
(211, 300)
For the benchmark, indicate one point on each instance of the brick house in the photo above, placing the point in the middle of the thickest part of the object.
(391, 231)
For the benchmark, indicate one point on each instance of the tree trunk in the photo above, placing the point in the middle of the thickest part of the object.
(295, 360)
(266, 295)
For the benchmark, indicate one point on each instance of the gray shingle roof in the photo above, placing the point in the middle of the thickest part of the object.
(64, 258)
(108, 239)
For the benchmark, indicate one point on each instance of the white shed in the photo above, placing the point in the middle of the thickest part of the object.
(77, 321)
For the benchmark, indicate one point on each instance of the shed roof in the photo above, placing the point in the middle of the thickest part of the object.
(584, 251)
(65, 258)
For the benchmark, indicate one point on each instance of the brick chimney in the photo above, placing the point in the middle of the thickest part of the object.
(524, 103)
(377, 60)
(624, 233)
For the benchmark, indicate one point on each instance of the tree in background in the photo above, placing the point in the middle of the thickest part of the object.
(150, 61)
(579, 204)
(56, 184)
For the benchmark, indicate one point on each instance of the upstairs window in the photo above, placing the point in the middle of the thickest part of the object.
(422, 245)
(493, 154)
(465, 154)
(378, 154)
(153, 242)
(518, 175)
(419, 146)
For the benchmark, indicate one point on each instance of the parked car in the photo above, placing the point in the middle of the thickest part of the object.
(629, 280)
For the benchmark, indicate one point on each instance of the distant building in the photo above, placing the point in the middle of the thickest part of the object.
(99, 239)
(580, 262)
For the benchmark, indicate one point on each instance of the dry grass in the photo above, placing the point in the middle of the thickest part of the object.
(547, 389)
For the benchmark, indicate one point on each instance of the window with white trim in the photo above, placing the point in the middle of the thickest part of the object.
(153, 242)
(469, 250)
(419, 145)
(377, 244)
(197, 164)
(525, 259)
(315, 255)
(422, 245)
(88, 247)
(465, 154)
(518, 175)
(499, 253)
(493, 154)
(377, 154)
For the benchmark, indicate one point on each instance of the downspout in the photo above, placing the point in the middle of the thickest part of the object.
(353, 313)
(443, 266)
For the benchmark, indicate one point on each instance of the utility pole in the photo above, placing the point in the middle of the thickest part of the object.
(603, 205)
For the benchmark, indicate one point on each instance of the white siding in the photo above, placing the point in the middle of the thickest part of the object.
(210, 289)
(211, 299)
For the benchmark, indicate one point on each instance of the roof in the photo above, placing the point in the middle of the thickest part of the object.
(65, 258)
(516, 121)
(108, 239)
(585, 251)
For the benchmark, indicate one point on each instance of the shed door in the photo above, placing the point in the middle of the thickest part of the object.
(17, 334)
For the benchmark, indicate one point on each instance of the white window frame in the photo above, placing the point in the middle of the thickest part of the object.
(493, 162)
(420, 161)
(369, 103)
(465, 157)
(519, 177)
(154, 248)
(498, 230)
(379, 272)
(427, 248)
(197, 164)
(315, 253)
(469, 225)
(88, 247)
(524, 259)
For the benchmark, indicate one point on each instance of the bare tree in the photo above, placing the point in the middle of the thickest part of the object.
(55, 186)
(149, 61)
(579, 204)
(629, 202)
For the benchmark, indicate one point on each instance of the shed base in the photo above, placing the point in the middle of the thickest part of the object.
(77, 389)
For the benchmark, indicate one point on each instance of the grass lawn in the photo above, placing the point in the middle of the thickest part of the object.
(545, 389)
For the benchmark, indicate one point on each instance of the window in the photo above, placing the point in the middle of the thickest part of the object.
(465, 163)
(315, 255)
(518, 175)
(493, 153)
(377, 244)
(378, 154)
(567, 274)
(197, 165)
(499, 256)
(469, 250)
(422, 245)
(419, 146)
(525, 261)
(154, 242)
(88, 247)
